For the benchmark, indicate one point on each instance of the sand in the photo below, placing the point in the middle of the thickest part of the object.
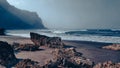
(90, 50)
(94, 51)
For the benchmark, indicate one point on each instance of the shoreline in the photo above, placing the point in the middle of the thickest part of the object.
(90, 50)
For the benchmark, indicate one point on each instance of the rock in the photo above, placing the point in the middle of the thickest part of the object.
(7, 57)
(25, 47)
(65, 53)
(27, 63)
(68, 58)
(107, 64)
(42, 40)
(112, 47)
(2, 31)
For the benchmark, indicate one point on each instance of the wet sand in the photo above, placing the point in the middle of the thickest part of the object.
(90, 50)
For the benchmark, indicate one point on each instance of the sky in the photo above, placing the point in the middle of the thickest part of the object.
(74, 14)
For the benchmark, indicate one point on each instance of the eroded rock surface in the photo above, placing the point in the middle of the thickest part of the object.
(112, 47)
(7, 57)
(42, 40)
(107, 64)
(27, 63)
(68, 58)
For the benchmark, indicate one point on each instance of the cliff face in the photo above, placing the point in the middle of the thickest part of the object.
(13, 18)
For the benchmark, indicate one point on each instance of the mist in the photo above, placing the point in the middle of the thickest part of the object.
(74, 14)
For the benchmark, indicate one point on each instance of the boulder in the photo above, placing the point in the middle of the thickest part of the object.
(27, 63)
(2, 31)
(42, 40)
(68, 58)
(112, 47)
(107, 64)
(25, 47)
(7, 57)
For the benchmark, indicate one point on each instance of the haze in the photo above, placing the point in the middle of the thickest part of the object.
(74, 14)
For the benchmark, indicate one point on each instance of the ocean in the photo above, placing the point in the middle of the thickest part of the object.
(92, 35)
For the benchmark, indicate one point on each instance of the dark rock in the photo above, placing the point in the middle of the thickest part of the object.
(42, 40)
(25, 47)
(68, 58)
(27, 63)
(7, 57)
(2, 31)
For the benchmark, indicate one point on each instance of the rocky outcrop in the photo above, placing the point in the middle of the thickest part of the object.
(68, 58)
(7, 57)
(112, 47)
(13, 18)
(42, 40)
(2, 31)
(108, 64)
(25, 47)
(27, 63)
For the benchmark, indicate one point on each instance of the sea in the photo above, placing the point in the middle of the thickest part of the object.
(91, 35)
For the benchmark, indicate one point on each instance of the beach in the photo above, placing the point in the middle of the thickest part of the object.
(90, 50)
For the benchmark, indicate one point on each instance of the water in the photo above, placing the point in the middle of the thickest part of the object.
(93, 35)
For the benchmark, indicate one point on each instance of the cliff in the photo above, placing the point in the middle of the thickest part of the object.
(13, 18)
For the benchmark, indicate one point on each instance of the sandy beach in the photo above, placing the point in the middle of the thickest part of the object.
(90, 50)
(94, 51)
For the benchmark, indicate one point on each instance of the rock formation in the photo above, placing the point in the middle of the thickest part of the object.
(68, 58)
(13, 18)
(27, 63)
(108, 64)
(42, 40)
(7, 57)
(2, 31)
(112, 47)
(24, 47)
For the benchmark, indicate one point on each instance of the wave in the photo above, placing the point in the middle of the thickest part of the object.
(81, 35)
(96, 32)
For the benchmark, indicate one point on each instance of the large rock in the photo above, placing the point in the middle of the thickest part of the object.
(25, 47)
(107, 64)
(112, 47)
(52, 42)
(14, 18)
(2, 31)
(68, 58)
(7, 57)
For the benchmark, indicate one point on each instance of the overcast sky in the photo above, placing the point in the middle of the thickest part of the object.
(74, 14)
